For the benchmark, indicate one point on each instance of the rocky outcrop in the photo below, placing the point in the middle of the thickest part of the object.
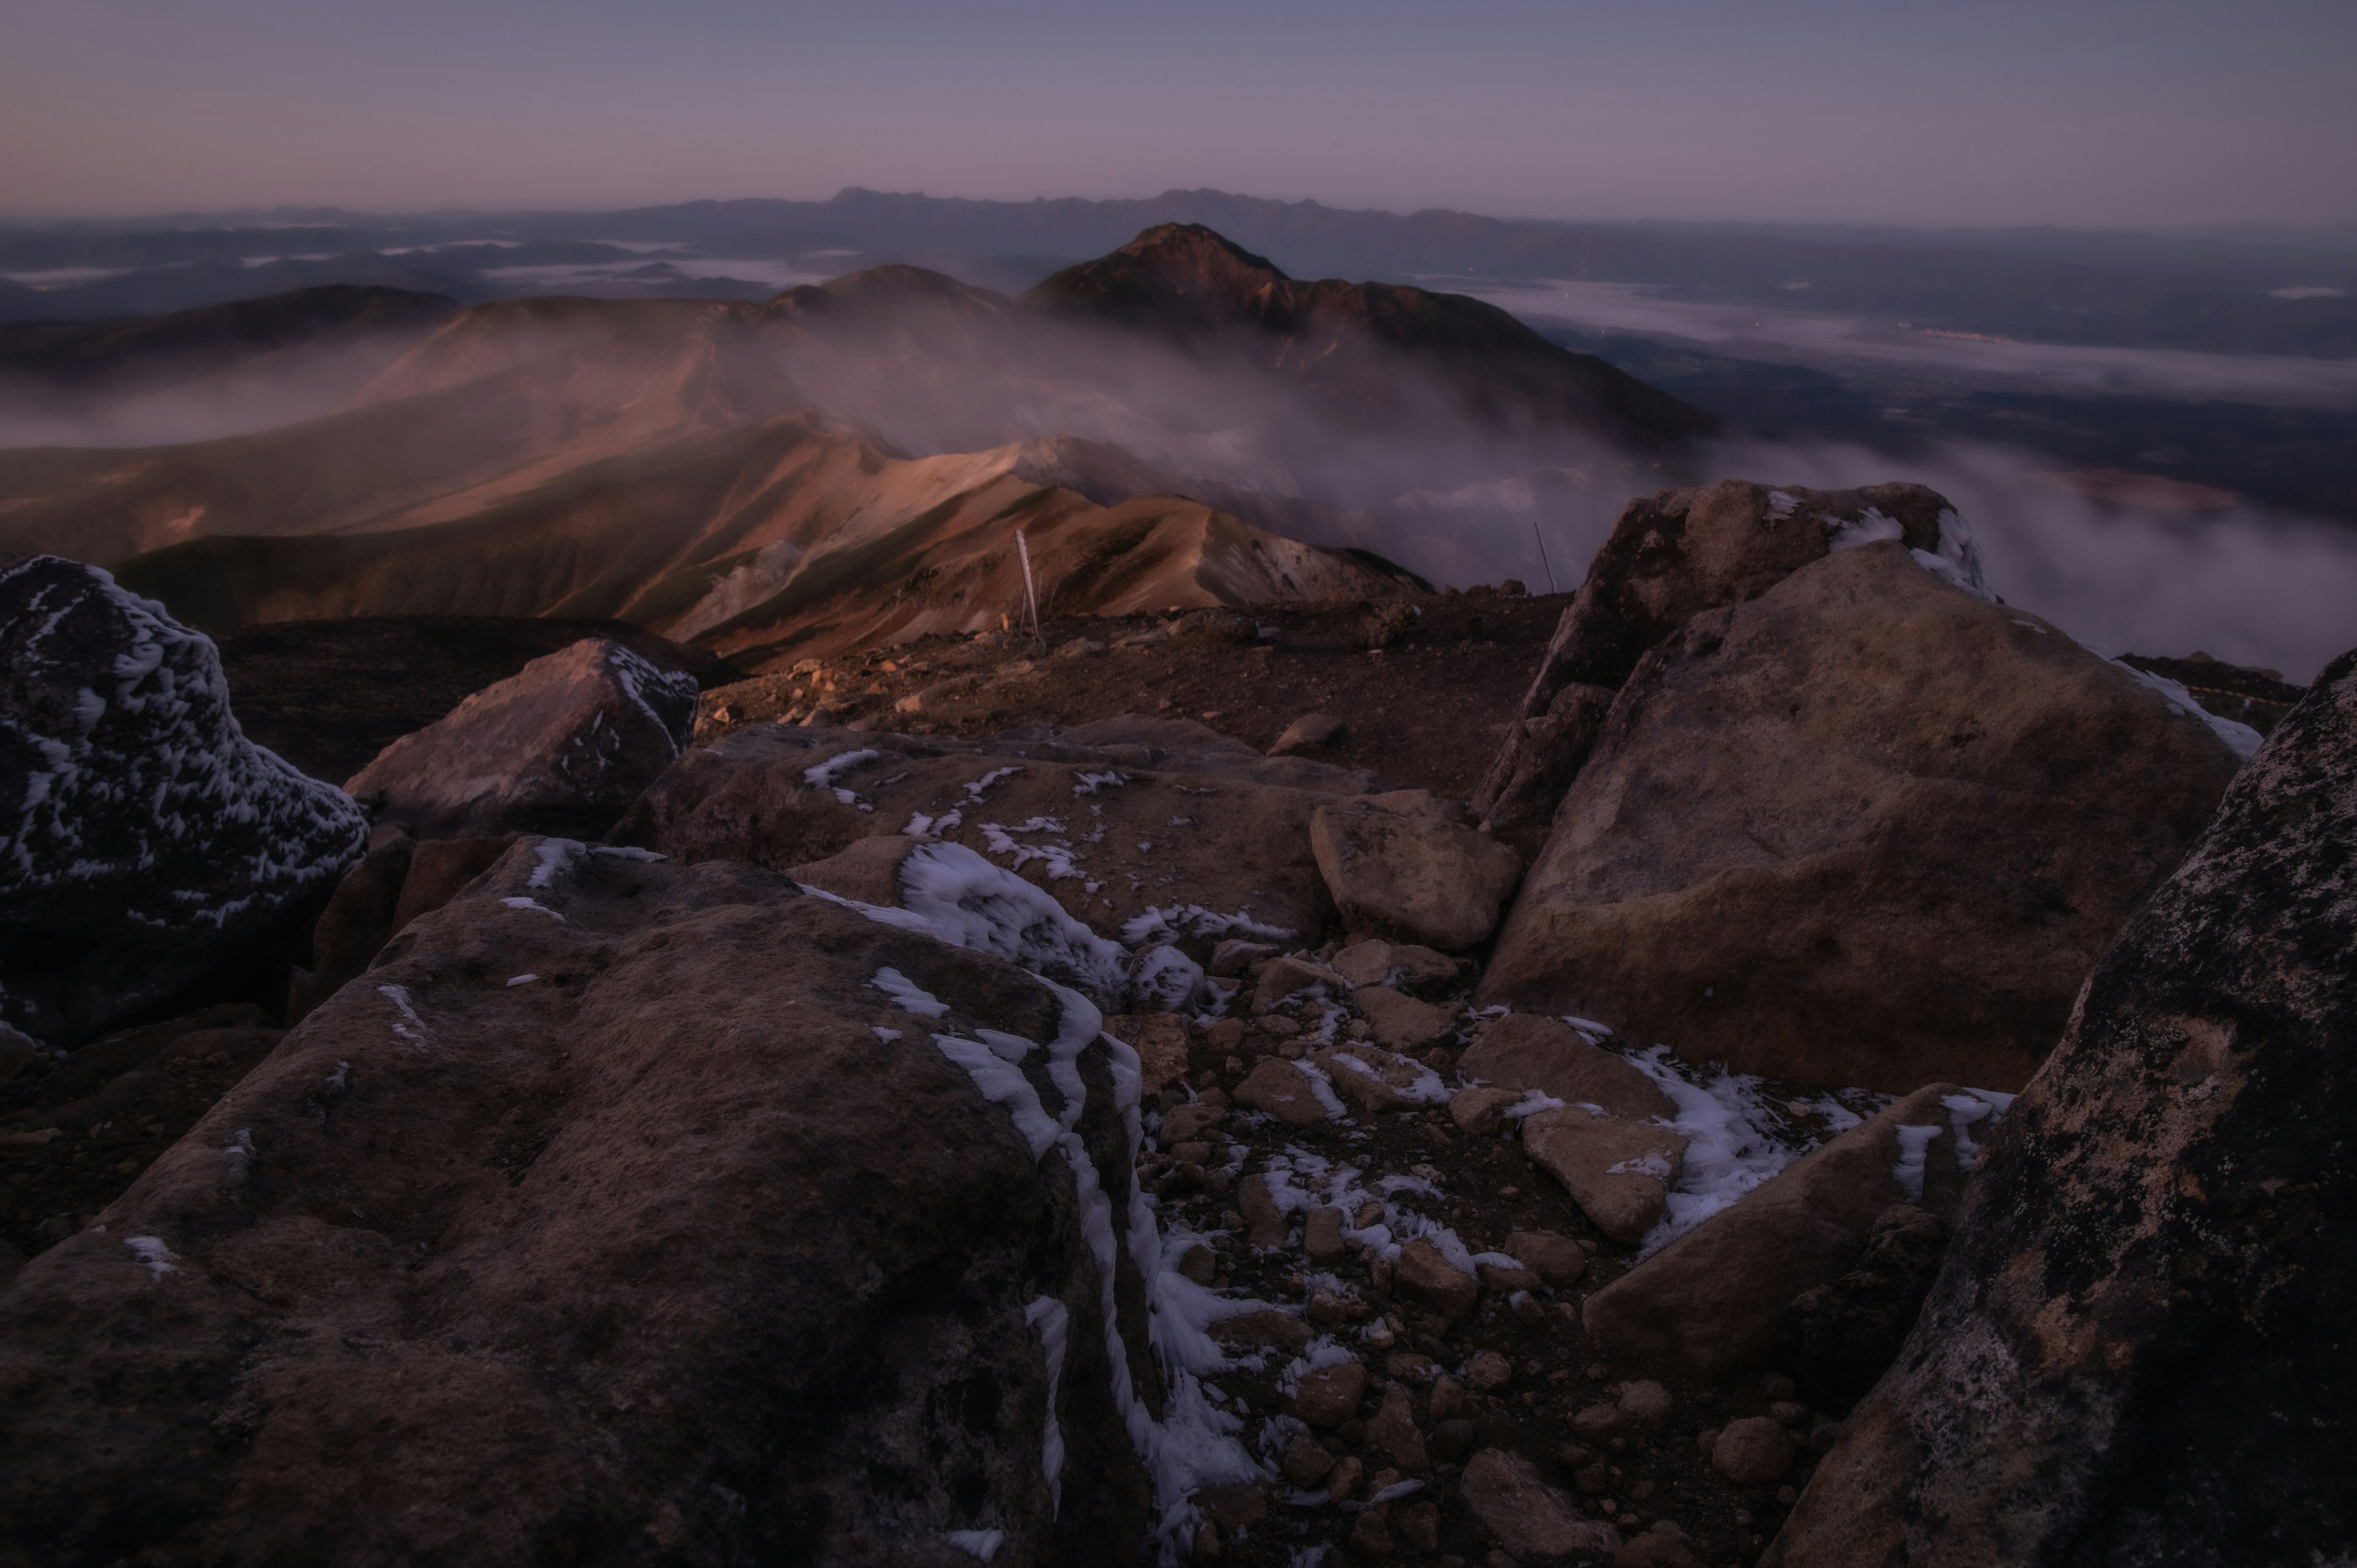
(1398, 866)
(143, 839)
(1710, 1303)
(1867, 829)
(1148, 831)
(593, 1216)
(2138, 1350)
(563, 748)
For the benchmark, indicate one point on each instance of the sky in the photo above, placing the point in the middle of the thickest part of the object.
(2082, 113)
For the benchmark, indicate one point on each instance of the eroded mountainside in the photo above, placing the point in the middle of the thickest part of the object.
(848, 464)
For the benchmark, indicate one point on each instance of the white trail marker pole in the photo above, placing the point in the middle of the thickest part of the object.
(1030, 591)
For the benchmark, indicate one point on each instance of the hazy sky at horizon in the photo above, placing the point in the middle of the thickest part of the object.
(2084, 113)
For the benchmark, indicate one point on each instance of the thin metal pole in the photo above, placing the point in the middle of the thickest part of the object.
(1030, 592)
(1543, 554)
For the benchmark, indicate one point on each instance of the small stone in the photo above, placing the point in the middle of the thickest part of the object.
(1529, 1313)
(1452, 1438)
(1283, 977)
(1328, 1310)
(1489, 1372)
(1190, 1121)
(1528, 1518)
(1597, 1421)
(1283, 1091)
(1447, 1397)
(1371, 1538)
(1277, 1023)
(1505, 1280)
(1322, 1235)
(1481, 1111)
(1235, 956)
(1330, 1395)
(1193, 1153)
(1307, 1461)
(1647, 1402)
(1422, 1272)
(1264, 1325)
(1752, 1452)
(1343, 1479)
(1207, 1542)
(1419, 1524)
(1409, 1366)
(1554, 1259)
(1264, 1220)
(1397, 1020)
(1620, 1173)
(1310, 733)
(1393, 1430)
(1790, 1412)
(1593, 1481)
(1198, 1263)
(1777, 1386)
(1225, 1035)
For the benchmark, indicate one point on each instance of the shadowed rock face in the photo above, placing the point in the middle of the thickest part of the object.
(1867, 829)
(636, 1260)
(2138, 1351)
(143, 839)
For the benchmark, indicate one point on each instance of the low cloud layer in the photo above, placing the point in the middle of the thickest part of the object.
(1831, 341)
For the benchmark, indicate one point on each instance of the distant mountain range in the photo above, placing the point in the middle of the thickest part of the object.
(2255, 290)
(837, 466)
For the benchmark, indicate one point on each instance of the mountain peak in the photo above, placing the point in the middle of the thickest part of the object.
(1173, 274)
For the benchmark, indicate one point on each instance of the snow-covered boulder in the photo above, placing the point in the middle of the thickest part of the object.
(562, 747)
(143, 839)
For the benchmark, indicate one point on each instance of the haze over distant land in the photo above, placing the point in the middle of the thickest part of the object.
(2075, 111)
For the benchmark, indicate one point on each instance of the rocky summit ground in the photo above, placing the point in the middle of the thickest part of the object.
(1425, 692)
(1133, 1088)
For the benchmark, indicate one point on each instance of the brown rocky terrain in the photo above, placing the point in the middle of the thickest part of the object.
(749, 1177)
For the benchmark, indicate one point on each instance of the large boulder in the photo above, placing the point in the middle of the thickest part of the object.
(652, 1213)
(143, 839)
(1398, 864)
(1710, 1303)
(562, 747)
(1868, 829)
(2139, 1349)
(1675, 553)
(1671, 556)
